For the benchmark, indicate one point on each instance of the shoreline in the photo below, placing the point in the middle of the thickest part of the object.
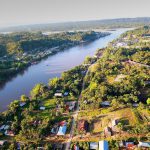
(53, 52)
(45, 57)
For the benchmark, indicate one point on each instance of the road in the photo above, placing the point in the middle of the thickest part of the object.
(75, 114)
(136, 63)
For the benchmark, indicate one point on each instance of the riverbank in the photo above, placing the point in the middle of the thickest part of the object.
(92, 95)
(51, 67)
(11, 65)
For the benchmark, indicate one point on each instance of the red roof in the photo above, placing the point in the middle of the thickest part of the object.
(130, 146)
(62, 123)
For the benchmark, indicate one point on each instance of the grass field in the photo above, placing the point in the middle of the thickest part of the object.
(101, 118)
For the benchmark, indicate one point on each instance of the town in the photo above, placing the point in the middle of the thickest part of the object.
(102, 104)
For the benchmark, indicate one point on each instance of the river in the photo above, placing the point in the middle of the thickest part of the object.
(51, 67)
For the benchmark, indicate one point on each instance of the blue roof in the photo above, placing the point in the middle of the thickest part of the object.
(62, 130)
(103, 145)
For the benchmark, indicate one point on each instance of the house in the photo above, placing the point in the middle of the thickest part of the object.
(9, 133)
(40, 148)
(62, 130)
(82, 125)
(103, 145)
(121, 143)
(144, 144)
(93, 145)
(107, 131)
(70, 105)
(135, 104)
(58, 95)
(130, 145)
(22, 104)
(62, 123)
(75, 147)
(66, 93)
(54, 130)
(105, 104)
(146, 35)
(42, 108)
(114, 122)
(36, 122)
(4, 127)
(121, 44)
(2, 142)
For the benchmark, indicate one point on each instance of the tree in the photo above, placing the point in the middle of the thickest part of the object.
(120, 126)
(39, 91)
(48, 146)
(24, 98)
(148, 101)
(115, 104)
(14, 106)
(87, 60)
(53, 82)
(13, 146)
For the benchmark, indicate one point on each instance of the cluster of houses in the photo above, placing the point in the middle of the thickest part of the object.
(101, 145)
(6, 130)
(59, 94)
(38, 55)
(132, 145)
(125, 42)
(104, 145)
(69, 105)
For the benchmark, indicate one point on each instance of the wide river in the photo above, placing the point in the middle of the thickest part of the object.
(51, 67)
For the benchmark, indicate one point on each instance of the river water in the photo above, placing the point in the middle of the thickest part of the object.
(51, 67)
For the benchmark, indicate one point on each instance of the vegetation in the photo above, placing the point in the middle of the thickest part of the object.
(117, 77)
(82, 25)
(19, 50)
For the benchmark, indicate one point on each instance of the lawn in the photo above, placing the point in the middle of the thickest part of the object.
(100, 118)
(50, 103)
(86, 114)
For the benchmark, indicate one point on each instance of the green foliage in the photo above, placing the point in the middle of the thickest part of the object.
(19, 42)
(148, 101)
(40, 91)
(117, 79)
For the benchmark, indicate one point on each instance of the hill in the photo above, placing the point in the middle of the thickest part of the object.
(81, 25)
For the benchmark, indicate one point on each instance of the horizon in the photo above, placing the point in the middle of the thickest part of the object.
(71, 21)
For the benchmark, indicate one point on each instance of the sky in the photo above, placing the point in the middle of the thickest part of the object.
(18, 12)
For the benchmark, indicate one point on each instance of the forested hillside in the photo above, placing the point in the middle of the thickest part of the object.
(81, 25)
(20, 42)
(123, 72)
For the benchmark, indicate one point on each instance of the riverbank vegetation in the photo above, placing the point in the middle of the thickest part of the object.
(113, 105)
(19, 50)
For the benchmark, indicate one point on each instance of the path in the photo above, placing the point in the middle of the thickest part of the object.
(75, 117)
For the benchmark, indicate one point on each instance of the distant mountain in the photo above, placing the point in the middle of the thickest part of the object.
(81, 25)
